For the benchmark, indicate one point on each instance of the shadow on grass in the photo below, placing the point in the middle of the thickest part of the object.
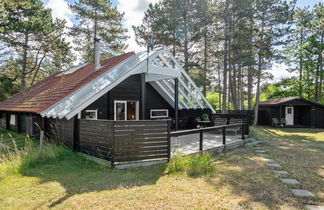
(250, 178)
(79, 176)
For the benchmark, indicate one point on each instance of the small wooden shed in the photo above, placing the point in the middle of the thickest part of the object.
(294, 111)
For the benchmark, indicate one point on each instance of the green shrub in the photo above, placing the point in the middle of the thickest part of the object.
(192, 165)
(253, 133)
(205, 117)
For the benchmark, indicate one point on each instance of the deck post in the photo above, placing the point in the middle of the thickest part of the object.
(169, 140)
(76, 134)
(243, 131)
(176, 98)
(113, 146)
(143, 96)
(224, 137)
(201, 139)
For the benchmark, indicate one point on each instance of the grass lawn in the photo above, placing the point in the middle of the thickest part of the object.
(301, 153)
(241, 181)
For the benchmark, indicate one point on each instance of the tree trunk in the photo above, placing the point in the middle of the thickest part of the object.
(37, 69)
(225, 61)
(250, 68)
(258, 91)
(301, 65)
(260, 60)
(224, 78)
(186, 53)
(242, 94)
(320, 89)
(317, 75)
(250, 81)
(24, 66)
(219, 87)
(205, 65)
(239, 87)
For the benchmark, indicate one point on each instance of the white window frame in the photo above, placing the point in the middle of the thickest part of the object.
(159, 110)
(125, 102)
(92, 110)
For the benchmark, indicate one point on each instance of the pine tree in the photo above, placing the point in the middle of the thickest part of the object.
(271, 19)
(33, 38)
(100, 17)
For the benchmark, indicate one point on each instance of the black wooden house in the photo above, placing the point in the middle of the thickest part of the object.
(292, 112)
(132, 86)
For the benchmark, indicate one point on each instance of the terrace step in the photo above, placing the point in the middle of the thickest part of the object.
(290, 181)
(302, 193)
(260, 151)
(280, 172)
(274, 165)
(263, 155)
(314, 207)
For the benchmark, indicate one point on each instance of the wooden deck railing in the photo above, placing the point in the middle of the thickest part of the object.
(207, 129)
(125, 141)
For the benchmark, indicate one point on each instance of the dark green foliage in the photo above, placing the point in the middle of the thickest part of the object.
(305, 51)
(7, 87)
(32, 40)
(100, 17)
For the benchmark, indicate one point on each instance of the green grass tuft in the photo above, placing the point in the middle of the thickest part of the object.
(14, 161)
(254, 133)
(192, 165)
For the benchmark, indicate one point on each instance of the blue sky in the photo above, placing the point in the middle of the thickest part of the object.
(134, 12)
(305, 3)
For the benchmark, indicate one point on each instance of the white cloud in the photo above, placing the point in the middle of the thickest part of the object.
(134, 13)
(61, 10)
(280, 71)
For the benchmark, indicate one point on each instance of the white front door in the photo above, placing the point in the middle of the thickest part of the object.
(126, 110)
(289, 115)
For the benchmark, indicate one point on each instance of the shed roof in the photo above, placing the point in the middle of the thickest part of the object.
(280, 101)
(277, 101)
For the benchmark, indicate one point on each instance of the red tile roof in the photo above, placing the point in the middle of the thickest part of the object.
(279, 100)
(52, 89)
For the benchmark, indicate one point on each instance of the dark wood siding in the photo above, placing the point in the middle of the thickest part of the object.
(96, 138)
(266, 113)
(140, 140)
(317, 114)
(306, 113)
(128, 90)
(302, 115)
(155, 101)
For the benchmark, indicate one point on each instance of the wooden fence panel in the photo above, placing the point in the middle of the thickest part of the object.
(140, 140)
(96, 138)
